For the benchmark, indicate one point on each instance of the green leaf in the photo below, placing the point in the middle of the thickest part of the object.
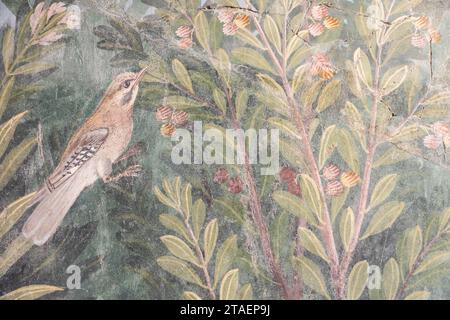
(432, 261)
(398, 28)
(32, 292)
(413, 246)
(230, 208)
(182, 75)
(294, 205)
(384, 218)
(13, 212)
(285, 126)
(180, 102)
(246, 36)
(222, 64)
(355, 122)
(163, 198)
(408, 133)
(202, 30)
(180, 249)
(175, 224)
(14, 160)
(393, 79)
(224, 258)
(32, 68)
(291, 152)
(180, 269)
(418, 295)
(310, 94)
(279, 234)
(383, 189)
(252, 58)
(186, 200)
(346, 147)
(391, 279)
(7, 131)
(311, 194)
(269, 83)
(392, 155)
(338, 202)
(346, 227)
(327, 145)
(229, 286)
(357, 280)
(298, 77)
(189, 295)
(8, 48)
(5, 94)
(272, 32)
(362, 67)
(198, 217)
(439, 98)
(210, 239)
(311, 243)
(241, 103)
(312, 276)
(329, 95)
(246, 292)
(219, 100)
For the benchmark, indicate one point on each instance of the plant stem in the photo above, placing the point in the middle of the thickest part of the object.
(326, 227)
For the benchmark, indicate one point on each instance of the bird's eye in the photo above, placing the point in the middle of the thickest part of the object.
(127, 84)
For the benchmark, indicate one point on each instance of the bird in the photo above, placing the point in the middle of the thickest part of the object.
(89, 156)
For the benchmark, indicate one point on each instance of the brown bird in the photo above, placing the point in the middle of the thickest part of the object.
(89, 155)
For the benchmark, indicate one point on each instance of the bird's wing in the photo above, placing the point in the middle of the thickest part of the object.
(86, 147)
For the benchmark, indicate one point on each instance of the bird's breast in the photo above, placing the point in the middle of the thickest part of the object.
(117, 141)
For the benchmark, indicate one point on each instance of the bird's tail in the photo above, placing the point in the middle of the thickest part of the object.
(50, 212)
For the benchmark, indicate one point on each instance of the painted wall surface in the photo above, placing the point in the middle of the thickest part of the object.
(352, 94)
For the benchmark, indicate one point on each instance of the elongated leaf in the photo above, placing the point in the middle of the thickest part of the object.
(230, 208)
(198, 217)
(413, 246)
(180, 269)
(252, 58)
(7, 131)
(392, 155)
(186, 200)
(241, 103)
(8, 48)
(229, 286)
(179, 249)
(5, 94)
(286, 127)
(246, 36)
(180, 102)
(279, 234)
(433, 260)
(383, 189)
(219, 100)
(294, 205)
(210, 238)
(391, 279)
(175, 224)
(224, 258)
(202, 30)
(32, 292)
(298, 77)
(362, 66)
(32, 68)
(327, 145)
(418, 295)
(246, 292)
(393, 79)
(329, 95)
(312, 276)
(439, 98)
(14, 160)
(384, 218)
(163, 198)
(311, 243)
(337, 203)
(346, 227)
(311, 93)
(311, 194)
(182, 75)
(357, 280)
(272, 32)
(13, 212)
(346, 147)
(189, 295)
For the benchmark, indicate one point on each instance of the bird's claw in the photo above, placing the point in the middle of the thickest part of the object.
(131, 171)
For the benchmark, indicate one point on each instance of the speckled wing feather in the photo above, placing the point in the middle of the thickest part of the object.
(88, 146)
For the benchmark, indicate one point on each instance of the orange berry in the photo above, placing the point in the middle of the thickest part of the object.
(422, 22)
(331, 22)
(435, 36)
(167, 129)
(349, 179)
(242, 20)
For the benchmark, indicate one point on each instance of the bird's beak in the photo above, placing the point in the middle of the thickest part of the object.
(140, 76)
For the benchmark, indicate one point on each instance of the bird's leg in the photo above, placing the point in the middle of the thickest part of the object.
(131, 171)
(131, 152)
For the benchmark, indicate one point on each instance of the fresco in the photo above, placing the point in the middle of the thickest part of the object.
(182, 149)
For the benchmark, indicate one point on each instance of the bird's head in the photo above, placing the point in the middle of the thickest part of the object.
(124, 88)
